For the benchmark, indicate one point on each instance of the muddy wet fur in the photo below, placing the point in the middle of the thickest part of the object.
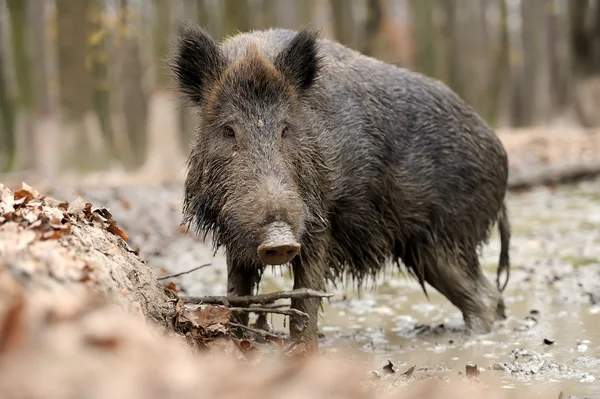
(366, 162)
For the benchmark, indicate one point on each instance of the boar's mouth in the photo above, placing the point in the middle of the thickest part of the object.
(279, 246)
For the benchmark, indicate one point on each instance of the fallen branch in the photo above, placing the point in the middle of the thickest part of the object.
(186, 272)
(560, 173)
(287, 312)
(262, 333)
(261, 299)
(295, 342)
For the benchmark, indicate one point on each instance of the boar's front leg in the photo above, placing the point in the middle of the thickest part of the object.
(309, 272)
(241, 281)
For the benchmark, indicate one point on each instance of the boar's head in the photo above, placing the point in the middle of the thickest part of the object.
(255, 173)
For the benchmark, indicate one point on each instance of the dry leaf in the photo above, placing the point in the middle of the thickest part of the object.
(210, 315)
(113, 229)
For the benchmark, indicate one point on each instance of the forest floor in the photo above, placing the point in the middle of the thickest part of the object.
(550, 340)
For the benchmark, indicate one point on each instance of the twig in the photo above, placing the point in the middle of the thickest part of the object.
(263, 333)
(287, 312)
(186, 272)
(295, 342)
(271, 305)
(261, 299)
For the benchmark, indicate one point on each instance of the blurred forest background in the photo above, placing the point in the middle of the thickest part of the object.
(84, 86)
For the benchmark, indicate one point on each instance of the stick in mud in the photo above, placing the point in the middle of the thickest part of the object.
(261, 299)
(185, 272)
(263, 333)
(287, 312)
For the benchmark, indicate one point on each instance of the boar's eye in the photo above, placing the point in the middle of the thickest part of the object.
(284, 132)
(228, 132)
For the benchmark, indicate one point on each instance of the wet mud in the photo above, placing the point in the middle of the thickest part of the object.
(551, 339)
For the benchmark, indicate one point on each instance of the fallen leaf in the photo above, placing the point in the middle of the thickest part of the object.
(113, 229)
(409, 373)
(471, 370)
(173, 287)
(126, 204)
(211, 315)
(389, 368)
(77, 208)
(54, 203)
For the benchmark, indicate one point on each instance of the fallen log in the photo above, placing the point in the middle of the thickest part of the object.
(554, 174)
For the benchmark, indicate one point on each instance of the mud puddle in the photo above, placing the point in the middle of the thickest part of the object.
(550, 341)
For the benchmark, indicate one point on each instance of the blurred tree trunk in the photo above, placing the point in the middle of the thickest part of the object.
(236, 16)
(7, 114)
(162, 30)
(186, 115)
(343, 21)
(202, 16)
(373, 26)
(306, 11)
(164, 146)
(270, 13)
(559, 57)
(17, 9)
(584, 24)
(98, 61)
(133, 97)
(46, 120)
(452, 54)
(500, 68)
(81, 141)
(426, 37)
(585, 36)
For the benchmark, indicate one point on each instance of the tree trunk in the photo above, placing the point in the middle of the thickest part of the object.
(21, 56)
(46, 120)
(425, 34)
(133, 97)
(99, 59)
(270, 13)
(82, 138)
(373, 27)
(163, 118)
(7, 114)
(236, 17)
(499, 74)
(162, 30)
(452, 54)
(343, 21)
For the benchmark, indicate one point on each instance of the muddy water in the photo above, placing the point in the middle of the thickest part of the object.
(553, 295)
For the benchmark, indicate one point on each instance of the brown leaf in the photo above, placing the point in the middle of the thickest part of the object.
(173, 287)
(27, 193)
(54, 203)
(126, 204)
(77, 208)
(112, 228)
(210, 315)
(471, 370)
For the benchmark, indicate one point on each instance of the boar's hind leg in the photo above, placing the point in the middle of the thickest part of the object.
(308, 273)
(241, 281)
(457, 275)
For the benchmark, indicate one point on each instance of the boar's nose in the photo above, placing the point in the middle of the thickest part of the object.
(279, 246)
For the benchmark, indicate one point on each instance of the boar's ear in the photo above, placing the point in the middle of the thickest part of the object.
(299, 61)
(197, 61)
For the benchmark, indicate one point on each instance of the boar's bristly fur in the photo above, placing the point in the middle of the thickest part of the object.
(359, 162)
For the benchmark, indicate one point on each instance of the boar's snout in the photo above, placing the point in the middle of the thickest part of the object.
(280, 246)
